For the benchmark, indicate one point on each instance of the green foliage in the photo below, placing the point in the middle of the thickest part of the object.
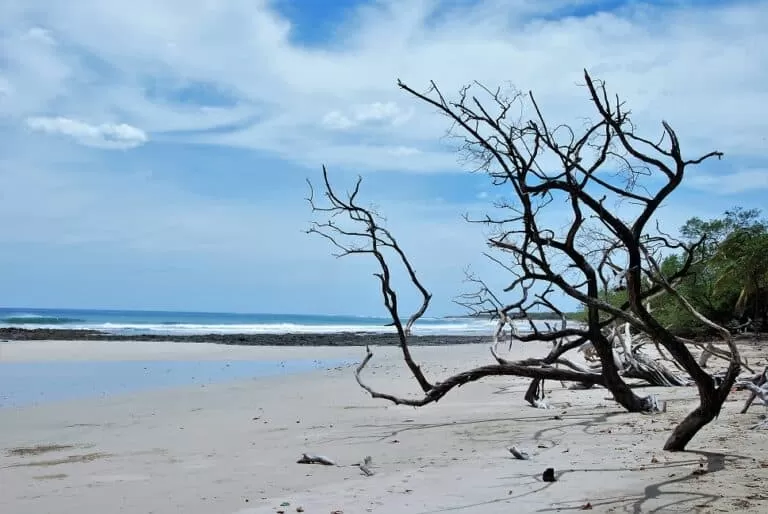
(742, 262)
(730, 277)
(727, 282)
(698, 287)
(614, 298)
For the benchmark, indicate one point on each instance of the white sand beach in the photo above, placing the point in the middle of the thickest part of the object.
(232, 448)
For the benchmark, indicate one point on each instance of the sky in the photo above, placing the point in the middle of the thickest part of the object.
(155, 153)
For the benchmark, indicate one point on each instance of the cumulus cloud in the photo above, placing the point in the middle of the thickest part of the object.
(106, 135)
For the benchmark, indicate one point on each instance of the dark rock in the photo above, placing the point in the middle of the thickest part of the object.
(338, 339)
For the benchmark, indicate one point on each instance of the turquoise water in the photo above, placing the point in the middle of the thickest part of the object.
(180, 323)
(32, 383)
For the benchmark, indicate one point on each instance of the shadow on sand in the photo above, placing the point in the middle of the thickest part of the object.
(675, 494)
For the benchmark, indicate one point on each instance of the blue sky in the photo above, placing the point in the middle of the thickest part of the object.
(155, 151)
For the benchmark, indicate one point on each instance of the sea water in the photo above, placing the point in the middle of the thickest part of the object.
(31, 383)
(189, 323)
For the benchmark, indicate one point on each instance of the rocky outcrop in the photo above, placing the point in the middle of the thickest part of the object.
(337, 339)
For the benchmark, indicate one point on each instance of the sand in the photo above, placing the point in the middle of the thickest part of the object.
(232, 448)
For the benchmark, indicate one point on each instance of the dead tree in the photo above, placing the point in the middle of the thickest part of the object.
(629, 356)
(611, 181)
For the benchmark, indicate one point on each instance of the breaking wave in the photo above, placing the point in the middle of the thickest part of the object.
(34, 319)
(186, 323)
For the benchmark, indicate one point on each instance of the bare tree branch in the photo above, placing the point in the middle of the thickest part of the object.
(378, 240)
(604, 183)
(529, 368)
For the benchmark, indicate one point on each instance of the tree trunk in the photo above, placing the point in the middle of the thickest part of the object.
(712, 399)
(535, 391)
(621, 392)
(689, 427)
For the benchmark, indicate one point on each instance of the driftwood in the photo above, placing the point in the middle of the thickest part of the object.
(710, 350)
(758, 385)
(309, 458)
(519, 455)
(629, 358)
(365, 466)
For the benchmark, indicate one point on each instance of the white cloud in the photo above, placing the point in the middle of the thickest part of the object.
(387, 113)
(731, 183)
(105, 135)
(667, 61)
(404, 151)
(39, 34)
(382, 112)
(103, 69)
(338, 121)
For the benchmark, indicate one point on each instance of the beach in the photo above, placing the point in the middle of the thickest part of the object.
(232, 446)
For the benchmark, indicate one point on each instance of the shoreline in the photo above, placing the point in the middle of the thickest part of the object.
(283, 339)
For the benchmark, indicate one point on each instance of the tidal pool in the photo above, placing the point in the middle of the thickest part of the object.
(30, 383)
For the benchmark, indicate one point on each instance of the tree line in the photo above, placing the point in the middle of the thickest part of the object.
(727, 281)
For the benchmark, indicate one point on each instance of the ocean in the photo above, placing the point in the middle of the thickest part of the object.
(191, 323)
